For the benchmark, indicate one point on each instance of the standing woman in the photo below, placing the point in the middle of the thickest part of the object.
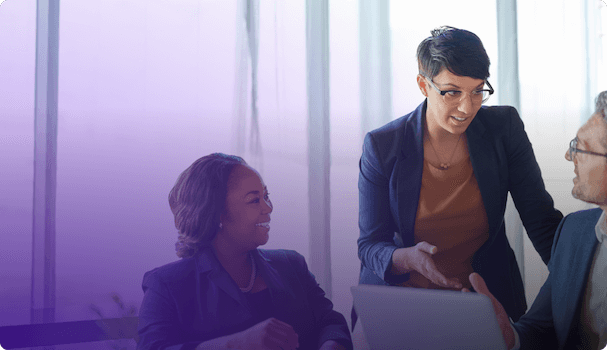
(225, 293)
(433, 184)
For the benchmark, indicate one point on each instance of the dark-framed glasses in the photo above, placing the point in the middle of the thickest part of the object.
(573, 150)
(452, 97)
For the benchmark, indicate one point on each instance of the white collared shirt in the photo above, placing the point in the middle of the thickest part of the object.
(593, 316)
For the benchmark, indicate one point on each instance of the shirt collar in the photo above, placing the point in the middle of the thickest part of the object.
(600, 229)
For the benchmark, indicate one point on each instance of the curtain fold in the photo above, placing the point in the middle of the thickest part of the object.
(556, 59)
(245, 104)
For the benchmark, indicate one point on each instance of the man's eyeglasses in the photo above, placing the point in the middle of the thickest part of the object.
(573, 150)
(452, 97)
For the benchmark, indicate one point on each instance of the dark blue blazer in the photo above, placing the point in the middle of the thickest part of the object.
(194, 299)
(503, 161)
(552, 322)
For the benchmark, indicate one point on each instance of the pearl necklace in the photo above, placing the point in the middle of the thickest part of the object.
(253, 275)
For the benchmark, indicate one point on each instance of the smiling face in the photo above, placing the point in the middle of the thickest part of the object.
(590, 183)
(452, 118)
(246, 221)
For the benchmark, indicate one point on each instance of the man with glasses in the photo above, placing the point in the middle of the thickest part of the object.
(570, 311)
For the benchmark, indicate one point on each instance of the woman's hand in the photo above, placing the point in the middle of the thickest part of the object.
(419, 258)
(271, 334)
(478, 283)
(332, 345)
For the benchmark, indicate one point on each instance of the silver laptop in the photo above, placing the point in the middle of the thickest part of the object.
(412, 318)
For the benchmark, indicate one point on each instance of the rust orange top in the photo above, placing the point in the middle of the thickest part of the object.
(451, 216)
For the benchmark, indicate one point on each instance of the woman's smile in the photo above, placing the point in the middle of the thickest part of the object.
(265, 225)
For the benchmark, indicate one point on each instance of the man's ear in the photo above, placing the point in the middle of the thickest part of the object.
(422, 84)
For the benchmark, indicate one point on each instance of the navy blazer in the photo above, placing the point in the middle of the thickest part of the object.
(194, 299)
(503, 161)
(552, 322)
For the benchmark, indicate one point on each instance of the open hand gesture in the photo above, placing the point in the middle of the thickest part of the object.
(419, 258)
(478, 283)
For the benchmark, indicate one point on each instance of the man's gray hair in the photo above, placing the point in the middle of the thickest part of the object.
(601, 104)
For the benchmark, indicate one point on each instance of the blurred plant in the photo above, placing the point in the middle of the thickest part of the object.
(124, 326)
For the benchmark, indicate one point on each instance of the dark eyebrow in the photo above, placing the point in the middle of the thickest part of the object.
(252, 192)
(265, 188)
(457, 87)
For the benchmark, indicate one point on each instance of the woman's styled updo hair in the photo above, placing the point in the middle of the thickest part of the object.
(198, 199)
(458, 50)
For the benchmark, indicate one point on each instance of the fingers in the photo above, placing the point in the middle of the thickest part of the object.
(431, 272)
(281, 334)
(478, 283)
(426, 247)
(425, 265)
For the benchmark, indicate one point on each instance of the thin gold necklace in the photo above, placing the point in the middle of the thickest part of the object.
(444, 166)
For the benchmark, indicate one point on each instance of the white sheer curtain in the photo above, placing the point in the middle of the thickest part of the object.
(558, 60)
(602, 34)
(145, 90)
(17, 78)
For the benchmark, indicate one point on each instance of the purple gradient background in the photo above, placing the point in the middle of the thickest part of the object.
(145, 88)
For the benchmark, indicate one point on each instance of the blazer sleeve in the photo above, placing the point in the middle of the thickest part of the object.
(536, 328)
(533, 203)
(377, 226)
(331, 324)
(158, 318)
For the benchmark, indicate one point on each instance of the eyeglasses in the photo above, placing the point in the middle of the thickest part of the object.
(452, 97)
(573, 150)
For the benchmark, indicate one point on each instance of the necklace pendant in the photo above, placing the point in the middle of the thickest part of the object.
(444, 166)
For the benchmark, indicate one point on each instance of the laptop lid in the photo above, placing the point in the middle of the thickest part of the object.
(413, 318)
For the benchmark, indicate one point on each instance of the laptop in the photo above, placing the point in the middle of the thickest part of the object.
(413, 318)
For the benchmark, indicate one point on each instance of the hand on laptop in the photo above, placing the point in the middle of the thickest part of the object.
(478, 283)
(271, 334)
(419, 258)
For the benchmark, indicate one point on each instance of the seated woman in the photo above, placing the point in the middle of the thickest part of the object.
(225, 293)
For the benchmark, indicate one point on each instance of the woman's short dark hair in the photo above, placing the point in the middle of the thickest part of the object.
(198, 199)
(458, 50)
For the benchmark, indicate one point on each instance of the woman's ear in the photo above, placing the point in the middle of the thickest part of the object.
(223, 217)
(422, 84)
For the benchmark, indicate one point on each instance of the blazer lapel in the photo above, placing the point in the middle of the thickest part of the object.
(214, 280)
(408, 170)
(573, 273)
(409, 167)
(282, 296)
(486, 171)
